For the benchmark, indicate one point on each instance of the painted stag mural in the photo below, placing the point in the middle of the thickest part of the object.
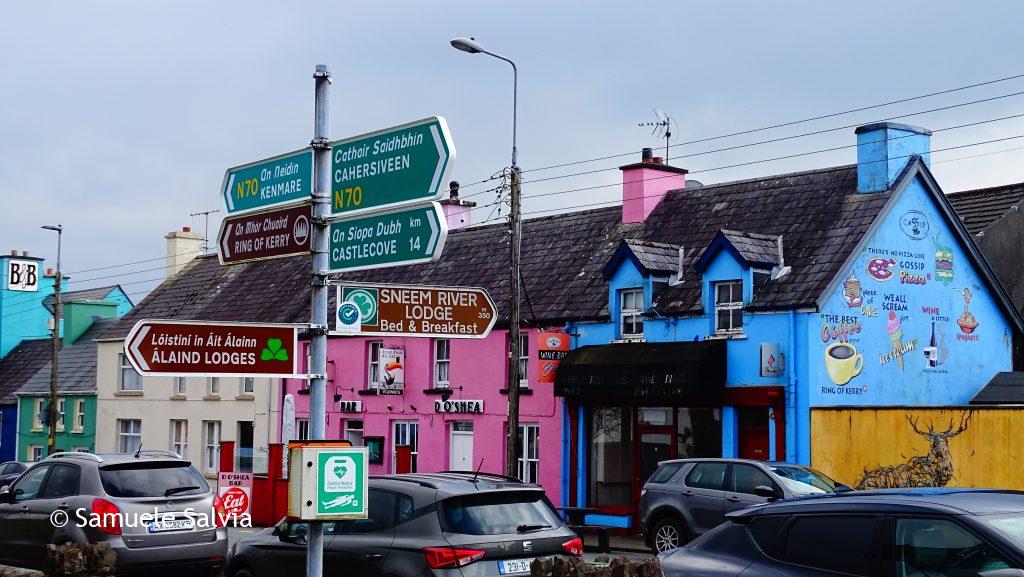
(932, 470)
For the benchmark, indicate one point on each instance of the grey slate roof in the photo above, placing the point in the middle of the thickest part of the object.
(819, 213)
(656, 257)
(980, 208)
(1004, 389)
(89, 294)
(76, 365)
(19, 364)
(760, 249)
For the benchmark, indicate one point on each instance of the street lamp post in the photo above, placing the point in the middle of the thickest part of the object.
(55, 344)
(471, 46)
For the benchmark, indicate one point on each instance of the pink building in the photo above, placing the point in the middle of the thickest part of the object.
(415, 429)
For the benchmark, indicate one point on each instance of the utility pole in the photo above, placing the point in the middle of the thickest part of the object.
(515, 244)
(206, 232)
(318, 327)
(51, 443)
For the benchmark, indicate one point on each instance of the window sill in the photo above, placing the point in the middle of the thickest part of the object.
(367, 392)
(728, 336)
(631, 339)
(178, 397)
(527, 391)
(245, 397)
(211, 397)
(436, 391)
(77, 431)
(127, 393)
(36, 429)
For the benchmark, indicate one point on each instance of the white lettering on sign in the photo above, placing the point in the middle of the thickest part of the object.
(459, 406)
(23, 275)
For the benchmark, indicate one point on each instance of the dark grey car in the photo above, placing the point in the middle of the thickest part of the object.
(430, 525)
(11, 470)
(101, 498)
(685, 498)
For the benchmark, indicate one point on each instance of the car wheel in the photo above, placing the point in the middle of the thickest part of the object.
(242, 572)
(666, 535)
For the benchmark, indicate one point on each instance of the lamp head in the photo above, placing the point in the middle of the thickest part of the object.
(467, 45)
(57, 228)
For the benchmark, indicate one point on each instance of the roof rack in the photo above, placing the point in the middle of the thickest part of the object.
(475, 474)
(76, 455)
(158, 453)
(411, 478)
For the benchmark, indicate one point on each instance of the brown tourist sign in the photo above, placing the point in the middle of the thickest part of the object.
(276, 233)
(199, 348)
(413, 311)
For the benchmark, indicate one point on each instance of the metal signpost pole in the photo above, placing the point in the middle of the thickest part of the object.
(318, 329)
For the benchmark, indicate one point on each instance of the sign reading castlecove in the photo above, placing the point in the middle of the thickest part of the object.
(403, 237)
(414, 311)
(391, 167)
(181, 348)
(283, 179)
(263, 235)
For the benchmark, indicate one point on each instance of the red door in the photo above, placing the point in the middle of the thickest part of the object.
(403, 459)
(753, 430)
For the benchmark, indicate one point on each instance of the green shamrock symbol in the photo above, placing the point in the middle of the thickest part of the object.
(273, 351)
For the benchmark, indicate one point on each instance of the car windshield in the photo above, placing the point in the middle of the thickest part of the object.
(803, 480)
(1010, 526)
(173, 479)
(499, 513)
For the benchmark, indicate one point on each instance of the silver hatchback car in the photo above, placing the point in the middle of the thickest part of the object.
(685, 498)
(153, 509)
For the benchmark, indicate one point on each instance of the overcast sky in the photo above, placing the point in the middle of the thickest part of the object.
(118, 119)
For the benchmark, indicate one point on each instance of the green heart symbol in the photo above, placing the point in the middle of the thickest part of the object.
(274, 351)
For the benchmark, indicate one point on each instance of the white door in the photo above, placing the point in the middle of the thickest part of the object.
(462, 446)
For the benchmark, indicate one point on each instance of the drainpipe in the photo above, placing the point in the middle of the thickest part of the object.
(791, 416)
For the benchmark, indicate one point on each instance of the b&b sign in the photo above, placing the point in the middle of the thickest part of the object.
(23, 275)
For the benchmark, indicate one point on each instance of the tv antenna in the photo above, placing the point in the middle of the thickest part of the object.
(206, 233)
(662, 127)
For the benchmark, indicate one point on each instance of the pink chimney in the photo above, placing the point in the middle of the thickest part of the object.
(645, 183)
(457, 212)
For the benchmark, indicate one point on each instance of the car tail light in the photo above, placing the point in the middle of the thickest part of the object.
(574, 547)
(219, 514)
(108, 515)
(445, 557)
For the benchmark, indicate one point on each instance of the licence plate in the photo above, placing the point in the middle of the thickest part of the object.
(175, 525)
(509, 566)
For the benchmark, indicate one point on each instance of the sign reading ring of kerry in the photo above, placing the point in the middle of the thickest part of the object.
(264, 235)
(213, 349)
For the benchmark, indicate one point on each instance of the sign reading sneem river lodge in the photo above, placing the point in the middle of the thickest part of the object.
(157, 347)
(415, 311)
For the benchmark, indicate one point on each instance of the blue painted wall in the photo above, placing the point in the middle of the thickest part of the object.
(22, 314)
(911, 279)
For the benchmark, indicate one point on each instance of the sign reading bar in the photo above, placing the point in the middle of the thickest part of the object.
(271, 182)
(403, 237)
(391, 167)
(263, 235)
(552, 347)
(181, 348)
(414, 311)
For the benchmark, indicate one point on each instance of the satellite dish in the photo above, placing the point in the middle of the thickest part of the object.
(693, 184)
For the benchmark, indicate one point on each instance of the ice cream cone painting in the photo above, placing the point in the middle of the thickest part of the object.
(895, 331)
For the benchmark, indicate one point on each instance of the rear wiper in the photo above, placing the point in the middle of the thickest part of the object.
(176, 490)
(527, 528)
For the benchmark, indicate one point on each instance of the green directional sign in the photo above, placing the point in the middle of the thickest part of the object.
(400, 237)
(390, 168)
(283, 179)
(341, 486)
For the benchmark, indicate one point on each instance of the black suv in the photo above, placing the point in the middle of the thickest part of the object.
(430, 524)
(899, 533)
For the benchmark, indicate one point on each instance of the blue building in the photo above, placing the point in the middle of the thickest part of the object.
(736, 310)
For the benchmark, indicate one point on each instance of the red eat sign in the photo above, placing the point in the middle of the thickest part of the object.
(213, 349)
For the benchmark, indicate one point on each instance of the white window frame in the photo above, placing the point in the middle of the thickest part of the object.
(180, 386)
(633, 313)
(38, 404)
(524, 360)
(373, 372)
(407, 426)
(302, 429)
(247, 386)
(211, 447)
(213, 386)
(351, 430)
(62, 405)
(442, 363)
(734, 306)
(34, 453)
(129, 380)
(123, 436)
(179, 437)
(79, 425)
(525, 457)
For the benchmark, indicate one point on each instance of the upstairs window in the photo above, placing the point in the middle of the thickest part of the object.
(130, 379)
(631, 305)
(248, 386)
(373, 378)
(524, 360)
(442, 363)
(728, 307)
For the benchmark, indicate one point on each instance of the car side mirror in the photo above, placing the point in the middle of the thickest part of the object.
(1002, 573)
(841, 488)
(294, 533)
(766, 492)
(5, 494)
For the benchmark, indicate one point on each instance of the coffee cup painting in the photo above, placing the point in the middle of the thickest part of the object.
(842, 362)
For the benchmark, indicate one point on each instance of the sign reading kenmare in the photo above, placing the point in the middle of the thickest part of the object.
(416, 311)
(156, 347)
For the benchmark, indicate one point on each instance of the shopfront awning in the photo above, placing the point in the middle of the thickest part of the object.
(640, 373)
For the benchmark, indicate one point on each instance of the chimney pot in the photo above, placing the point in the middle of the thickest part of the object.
(453, 190)
(658, 160)
(647, 154)
(24, 253)
(49, 272)
(14, 253)
(186, 229)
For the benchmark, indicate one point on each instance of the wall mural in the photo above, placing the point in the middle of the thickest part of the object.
(934, 469)
(911, 323)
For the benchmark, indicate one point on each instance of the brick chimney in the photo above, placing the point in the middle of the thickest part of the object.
(457, 212)
(645, 183)
(182, 247)
(883, 151)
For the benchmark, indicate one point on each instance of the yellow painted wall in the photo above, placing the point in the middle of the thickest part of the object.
(989, 453)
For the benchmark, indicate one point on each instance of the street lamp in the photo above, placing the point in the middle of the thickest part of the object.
(471, 46)
(54, 344)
